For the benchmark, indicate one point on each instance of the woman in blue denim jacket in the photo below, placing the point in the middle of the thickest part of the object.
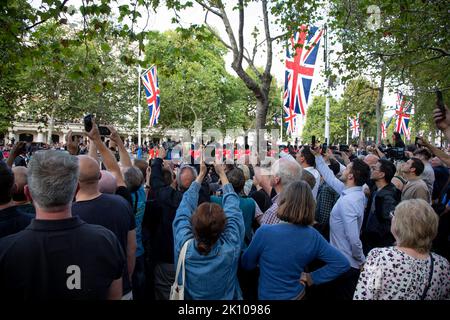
(212, 258)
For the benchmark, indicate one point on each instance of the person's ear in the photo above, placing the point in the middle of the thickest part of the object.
(27, 193)
(99, 176)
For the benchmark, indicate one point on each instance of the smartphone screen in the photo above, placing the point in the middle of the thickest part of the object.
(88, 123)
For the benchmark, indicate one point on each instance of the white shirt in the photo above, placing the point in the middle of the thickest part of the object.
(316, 175)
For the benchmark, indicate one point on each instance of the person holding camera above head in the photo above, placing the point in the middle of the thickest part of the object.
(91, 205)
(167, 198)
(415, 188)
(213, 238)
(346, 218)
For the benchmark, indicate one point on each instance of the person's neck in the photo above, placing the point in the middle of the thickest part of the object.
(85, 194)
(381, 183)
(305, 165)
(350, 184)
(413, 253)
(61, 214)
(412, 177)
(278, 189)
(7, 205)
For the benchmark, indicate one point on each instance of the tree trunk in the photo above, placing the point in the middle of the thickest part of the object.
(378, 107)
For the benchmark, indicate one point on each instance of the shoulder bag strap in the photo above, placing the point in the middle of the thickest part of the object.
(180, 263)
(424, 294)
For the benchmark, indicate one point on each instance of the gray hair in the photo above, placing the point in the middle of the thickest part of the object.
(133, 178)
(288, 171)
(52, 178)
(185, 167)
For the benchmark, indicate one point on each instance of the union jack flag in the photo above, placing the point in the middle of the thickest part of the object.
(290, 119)
(301, 56)
(403, 112)
(354, 126)
(150, 81)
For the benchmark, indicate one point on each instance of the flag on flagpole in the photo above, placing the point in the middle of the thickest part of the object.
(301, 55)
(403, 113)
(354, 126)
(150, 81)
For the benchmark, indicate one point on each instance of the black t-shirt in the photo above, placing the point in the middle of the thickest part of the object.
(12, 220)
(59, 259)
(125, 193)
(112, 212)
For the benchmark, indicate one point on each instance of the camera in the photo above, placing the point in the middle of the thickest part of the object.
(343, 148)
(104, 131)
(394, 153)
(87, 123)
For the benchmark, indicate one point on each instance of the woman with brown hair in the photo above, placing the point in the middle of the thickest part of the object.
(283, 250)
(212, 258)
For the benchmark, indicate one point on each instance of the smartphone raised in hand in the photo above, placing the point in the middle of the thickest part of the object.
(313, 141)
(104, 131)
(88, 123)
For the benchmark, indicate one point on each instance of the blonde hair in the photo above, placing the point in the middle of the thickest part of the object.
(415, 225)
(245, 170)
(297, 204)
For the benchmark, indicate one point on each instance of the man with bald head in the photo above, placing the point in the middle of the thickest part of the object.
(108, 210)
(107, 183)
(371, 160)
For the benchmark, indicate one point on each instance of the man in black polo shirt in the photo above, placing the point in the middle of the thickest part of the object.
(12, 219)
(108, 210)
(59, 256)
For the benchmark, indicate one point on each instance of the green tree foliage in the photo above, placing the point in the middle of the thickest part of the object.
(404, 43)
(359, 97)
(194, 83)
(315, 121)
(64, 78)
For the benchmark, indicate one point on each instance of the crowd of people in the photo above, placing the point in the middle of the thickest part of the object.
(90, 222)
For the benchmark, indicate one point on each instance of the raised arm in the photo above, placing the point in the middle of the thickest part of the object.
(156, 179)
(436, 151)
(125, 159)
(234, 230)
(328, 175)
(182, 228)
(108, 158)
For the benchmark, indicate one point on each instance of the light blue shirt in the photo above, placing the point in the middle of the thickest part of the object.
(346, 217)
(214, 276)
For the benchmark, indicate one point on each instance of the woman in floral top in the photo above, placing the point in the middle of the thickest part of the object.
(403, 272)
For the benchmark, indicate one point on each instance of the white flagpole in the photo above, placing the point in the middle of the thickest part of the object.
(347, 130)
(282, 118)
(139, 110)
(327, 101)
